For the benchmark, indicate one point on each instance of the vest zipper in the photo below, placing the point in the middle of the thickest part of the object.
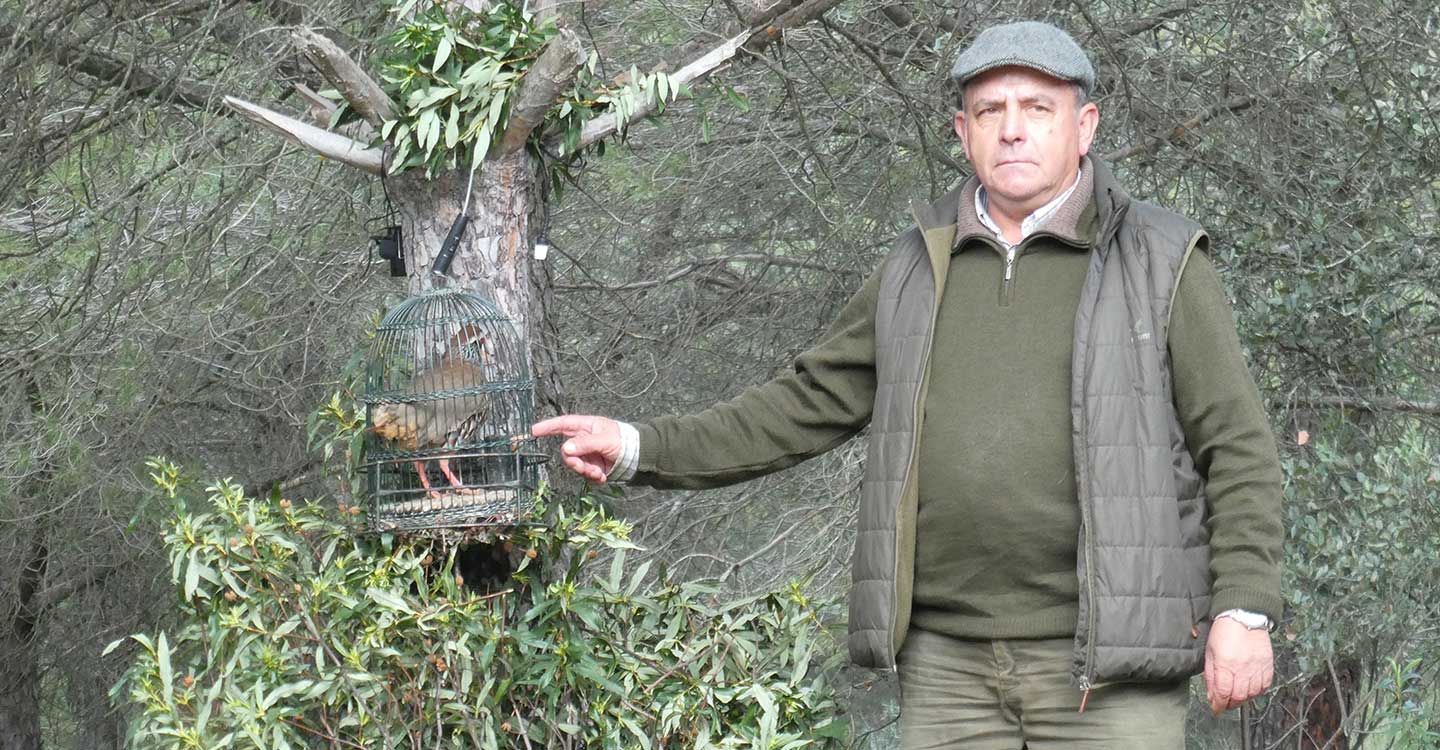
(1087, 519)
(1088, 674)
(1007, 284)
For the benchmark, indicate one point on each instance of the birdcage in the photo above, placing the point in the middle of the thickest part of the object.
(449, 402)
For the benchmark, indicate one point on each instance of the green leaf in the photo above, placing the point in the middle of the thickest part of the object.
(482, 147)
(617, 570)
(203, 715)
(637, 578)
(428, 130)
(397, 162)
(387, 599)
(442, 52)
(637, 731)
(144, 640)
(479, 74)
(192, 576)
(452, 133)
(497, 108)
(835, 729)
(433, 96)
(167, 679)
(739, 100)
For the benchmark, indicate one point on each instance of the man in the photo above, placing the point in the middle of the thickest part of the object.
(1071, 496)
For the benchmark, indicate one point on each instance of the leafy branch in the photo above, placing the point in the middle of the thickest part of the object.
(455, 78)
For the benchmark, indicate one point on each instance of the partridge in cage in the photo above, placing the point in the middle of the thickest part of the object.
(447, 422)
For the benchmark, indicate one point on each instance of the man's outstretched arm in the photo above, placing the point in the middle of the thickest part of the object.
(821, 402)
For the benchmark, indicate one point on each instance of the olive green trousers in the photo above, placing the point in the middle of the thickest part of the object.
(1013, 694)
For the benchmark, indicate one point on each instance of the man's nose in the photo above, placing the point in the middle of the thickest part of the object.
(1012, 124)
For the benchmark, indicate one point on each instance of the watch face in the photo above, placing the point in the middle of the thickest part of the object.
(1251, 620)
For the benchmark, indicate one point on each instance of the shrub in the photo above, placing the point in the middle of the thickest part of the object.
(297, 629)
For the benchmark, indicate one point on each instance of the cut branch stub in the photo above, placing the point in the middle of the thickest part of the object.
(358, 88)
(544, 83)
(321, 141)
(322, 110)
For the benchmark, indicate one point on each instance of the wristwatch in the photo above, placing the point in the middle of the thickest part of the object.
(1251, 620)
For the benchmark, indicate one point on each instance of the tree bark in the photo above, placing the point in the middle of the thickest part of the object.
(495, 257)
(19, 663)
(1311, 715)
(20, 700)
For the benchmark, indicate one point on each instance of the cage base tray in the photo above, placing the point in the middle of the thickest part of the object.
(454, 506)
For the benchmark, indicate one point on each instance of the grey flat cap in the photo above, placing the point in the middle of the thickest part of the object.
(1030, 44)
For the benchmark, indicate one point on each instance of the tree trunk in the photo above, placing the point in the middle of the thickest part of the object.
(19, 700)
(1311, 715)
(495, 256)
(19, 667)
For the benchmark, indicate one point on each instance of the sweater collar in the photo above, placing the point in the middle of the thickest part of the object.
(1036, 219)
(937, 220)
(1073, 220)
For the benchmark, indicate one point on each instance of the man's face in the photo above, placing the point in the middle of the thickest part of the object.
(1024, 135)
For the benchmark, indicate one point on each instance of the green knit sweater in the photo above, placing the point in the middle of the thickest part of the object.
(998, 517)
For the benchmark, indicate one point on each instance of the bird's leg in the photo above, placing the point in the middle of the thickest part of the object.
(425, 480)
(454, 480)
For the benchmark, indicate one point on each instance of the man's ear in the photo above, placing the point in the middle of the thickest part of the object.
(1089, 120)
(960, 131)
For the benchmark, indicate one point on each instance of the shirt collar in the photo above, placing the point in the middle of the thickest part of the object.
(1031, 222)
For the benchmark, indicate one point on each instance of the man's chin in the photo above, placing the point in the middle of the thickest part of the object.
(1014, 191)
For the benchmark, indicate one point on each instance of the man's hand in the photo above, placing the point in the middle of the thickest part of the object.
(593, 446)
(1238, 664)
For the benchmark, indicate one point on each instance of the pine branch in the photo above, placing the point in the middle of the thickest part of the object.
(543, 85)
(1410, 406)
(330, 145)
(358, 88)
(753, 39)
(1229, 106)
(68, 51)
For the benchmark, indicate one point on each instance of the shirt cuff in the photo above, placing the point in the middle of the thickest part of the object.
(1251, 620)
(629, 460)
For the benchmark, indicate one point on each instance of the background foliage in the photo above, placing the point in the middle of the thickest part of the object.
(177, 283)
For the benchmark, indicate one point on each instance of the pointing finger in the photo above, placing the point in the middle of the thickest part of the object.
(568, 424)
